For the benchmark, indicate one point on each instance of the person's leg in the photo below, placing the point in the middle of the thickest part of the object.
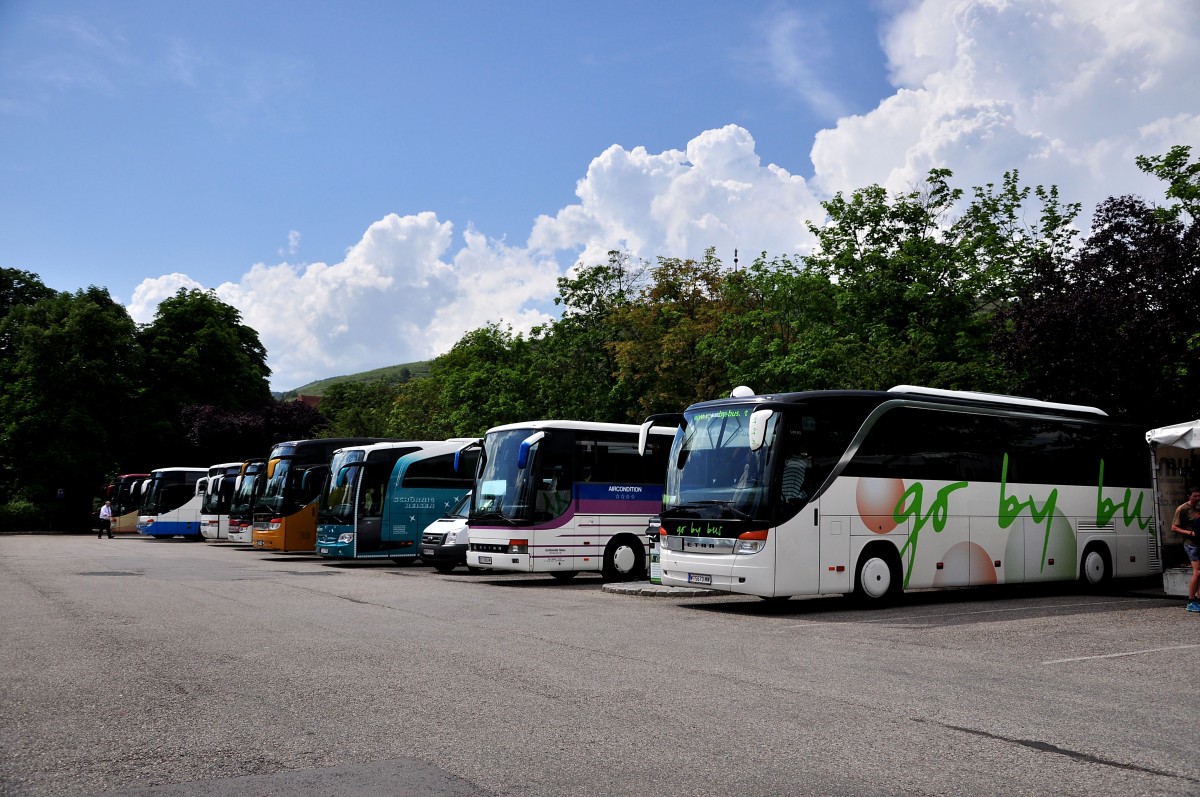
(1194, 583)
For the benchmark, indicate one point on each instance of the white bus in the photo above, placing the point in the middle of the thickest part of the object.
(873, 493)
(218, 496)
(248, 486)
(170, 504)
(561, 497)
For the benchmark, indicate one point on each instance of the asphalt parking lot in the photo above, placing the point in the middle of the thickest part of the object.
(137, 666)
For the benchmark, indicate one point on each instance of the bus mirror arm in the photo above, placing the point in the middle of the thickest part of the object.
(477, 443)
(662, 419)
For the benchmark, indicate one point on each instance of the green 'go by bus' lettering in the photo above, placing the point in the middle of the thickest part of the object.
(1106, 507)
(1010, 508)
(910, 505)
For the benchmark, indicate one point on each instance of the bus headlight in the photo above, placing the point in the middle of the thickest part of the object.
(751, 542)
(346, 539)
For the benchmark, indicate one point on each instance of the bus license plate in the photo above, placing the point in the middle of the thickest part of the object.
(699, 578)
(485, 560)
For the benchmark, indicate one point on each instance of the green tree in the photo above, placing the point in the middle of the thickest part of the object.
(358, 409)
(1116, 326)
(482, 382)
(917, 289)
(197, 352)
(661, 361)
(65, 418)
(775, 328)
(581, 343)
(1182, 177)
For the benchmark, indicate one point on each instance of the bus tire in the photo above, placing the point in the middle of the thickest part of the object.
(564, 575)
(1095, 568)
(624, 559)
(877, 579)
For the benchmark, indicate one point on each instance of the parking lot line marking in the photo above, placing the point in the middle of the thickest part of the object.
(1118, 655)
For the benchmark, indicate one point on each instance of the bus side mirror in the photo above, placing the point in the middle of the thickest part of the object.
(758, 428)
(526, 444)
(643, 436)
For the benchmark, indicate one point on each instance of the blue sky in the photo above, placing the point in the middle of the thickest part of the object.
(365, 181)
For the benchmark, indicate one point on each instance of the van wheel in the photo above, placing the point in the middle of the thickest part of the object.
(624, 559)
(443, 568)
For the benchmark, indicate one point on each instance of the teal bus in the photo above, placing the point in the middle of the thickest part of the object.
(380, 498)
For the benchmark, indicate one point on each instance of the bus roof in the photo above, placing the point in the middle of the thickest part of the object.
(201, 471)
(371, 447)
(579, 426)
(924, 394)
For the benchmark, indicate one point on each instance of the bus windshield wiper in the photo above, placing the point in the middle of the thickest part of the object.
(726, 510)
(492, 516)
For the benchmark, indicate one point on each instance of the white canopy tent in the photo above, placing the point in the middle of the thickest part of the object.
(1175, 459)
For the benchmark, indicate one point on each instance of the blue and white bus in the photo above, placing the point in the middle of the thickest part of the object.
(873, 493)
(562, 497)
(171, 499)
(380, 498)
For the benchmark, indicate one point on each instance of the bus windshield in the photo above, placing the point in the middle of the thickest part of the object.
(337, 501)
(713, 474)
(216, 497)
(275, 491)
(503, 489)
(247, 490)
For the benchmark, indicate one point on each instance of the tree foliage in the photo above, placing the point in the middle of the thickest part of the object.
(64, 412)
(1116, 326)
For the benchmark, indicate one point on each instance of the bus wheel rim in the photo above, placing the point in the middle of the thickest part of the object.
(876, 578)
(624, 559)
(1093, 566)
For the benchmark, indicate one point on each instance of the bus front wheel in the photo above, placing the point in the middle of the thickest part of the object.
(1095, 569)
(877, 580)
(624, 559)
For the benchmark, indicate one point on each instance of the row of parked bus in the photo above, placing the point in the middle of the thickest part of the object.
(866, 492)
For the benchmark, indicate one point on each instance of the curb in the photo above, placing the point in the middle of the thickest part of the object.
(646, 589)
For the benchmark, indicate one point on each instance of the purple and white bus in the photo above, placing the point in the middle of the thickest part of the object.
(561, 497)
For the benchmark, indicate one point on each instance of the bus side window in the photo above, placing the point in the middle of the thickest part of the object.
(795, 470)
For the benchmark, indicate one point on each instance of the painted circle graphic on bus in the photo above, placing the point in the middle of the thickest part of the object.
(965, 563)
(877, 500)
(1043, 554)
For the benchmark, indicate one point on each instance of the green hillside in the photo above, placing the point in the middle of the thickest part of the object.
(392, 373)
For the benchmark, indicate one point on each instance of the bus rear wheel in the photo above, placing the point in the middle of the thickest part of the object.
(877, 580)
(1095, 569)
(624, 559)
(564, 575)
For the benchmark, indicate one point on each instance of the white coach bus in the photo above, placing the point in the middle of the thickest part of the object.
(561, 497)
(872, 493)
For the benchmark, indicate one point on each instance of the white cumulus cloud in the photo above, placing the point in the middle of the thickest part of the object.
(1068, 92)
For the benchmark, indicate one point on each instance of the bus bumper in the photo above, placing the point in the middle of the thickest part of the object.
(722, 572)
(520, 562)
